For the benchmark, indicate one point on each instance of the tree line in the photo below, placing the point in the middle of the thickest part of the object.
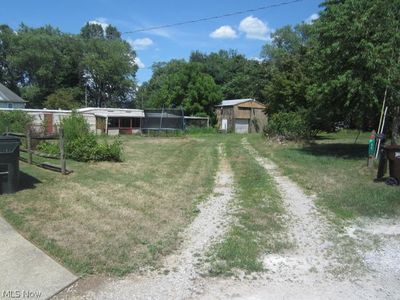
(53, 69)
(332, 72)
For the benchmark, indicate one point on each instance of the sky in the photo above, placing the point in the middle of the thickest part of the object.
(246, 33)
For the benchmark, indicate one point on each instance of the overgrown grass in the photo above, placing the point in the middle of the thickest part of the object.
(334, 167)
(260, 227)
(115, 217)
(200, 130)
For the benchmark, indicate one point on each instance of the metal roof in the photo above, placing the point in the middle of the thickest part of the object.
(6, 95)
(234, 102)
(113, 112)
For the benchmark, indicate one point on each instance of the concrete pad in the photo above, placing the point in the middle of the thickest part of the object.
(26, 271)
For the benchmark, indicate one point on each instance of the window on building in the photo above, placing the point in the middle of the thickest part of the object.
(10, 105)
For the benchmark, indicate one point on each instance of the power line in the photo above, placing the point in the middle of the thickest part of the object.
(213, 17)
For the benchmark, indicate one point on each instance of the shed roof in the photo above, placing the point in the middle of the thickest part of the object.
(234, 102)
(6, 95)
(239, 101)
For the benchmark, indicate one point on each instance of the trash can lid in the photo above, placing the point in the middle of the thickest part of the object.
(8, 144)
(9, 138)
(392, 147)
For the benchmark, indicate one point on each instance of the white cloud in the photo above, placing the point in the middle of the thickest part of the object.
(161, 32)
(139, 63)
(141, 44)
(224, 32)
(254, 28)
(312, 18)
(256, 59)
(100, 21)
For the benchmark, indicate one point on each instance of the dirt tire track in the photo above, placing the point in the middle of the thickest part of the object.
(304, 272)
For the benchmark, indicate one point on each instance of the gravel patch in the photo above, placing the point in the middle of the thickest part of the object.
(305, 272)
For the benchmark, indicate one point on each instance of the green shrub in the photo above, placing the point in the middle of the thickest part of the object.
(108, 152)
(14, 121)
(289, 125)
(81, 144)
(75, 126)
(49, 148)
(81, 148)
(87, 148)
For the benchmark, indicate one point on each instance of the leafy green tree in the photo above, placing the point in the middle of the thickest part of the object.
(64, 98)
(285, 89)
(45, 59)
(112, 33)
(50, 68)
(92, 30)
(109, 71)
(181, 84)
(355, 58)
(237, 76)
(8, 74)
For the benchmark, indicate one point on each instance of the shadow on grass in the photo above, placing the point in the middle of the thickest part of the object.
(323, 138)
(345, 151)
(27, 181)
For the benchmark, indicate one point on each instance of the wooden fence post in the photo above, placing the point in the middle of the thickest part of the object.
(62, 152)
(29, 145)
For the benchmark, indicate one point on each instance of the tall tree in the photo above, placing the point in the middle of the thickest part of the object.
(8, 74)
(112, 33)
(237, 76)
(180, 83)
(285, 89)
(109, 71)
(92, 30)
(355, 59)
(45, 59)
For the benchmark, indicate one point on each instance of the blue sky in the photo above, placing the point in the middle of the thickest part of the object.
(246, 33)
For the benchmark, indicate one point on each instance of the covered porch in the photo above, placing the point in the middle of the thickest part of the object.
(119, 122)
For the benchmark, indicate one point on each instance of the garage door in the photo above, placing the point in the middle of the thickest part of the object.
(242, 126)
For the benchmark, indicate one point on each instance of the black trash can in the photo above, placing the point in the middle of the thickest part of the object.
(9, 164)
(393, 156)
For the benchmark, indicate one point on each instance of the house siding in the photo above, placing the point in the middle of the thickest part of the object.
(13, 105)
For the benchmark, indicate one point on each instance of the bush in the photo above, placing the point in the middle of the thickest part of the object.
(14, 121)
(86, 148)
(49, 148)
(289, 125)
(75, 126)
(81, 144)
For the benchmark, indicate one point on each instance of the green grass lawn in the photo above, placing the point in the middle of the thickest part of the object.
(335, 168)
(259, 224)
(115, 217)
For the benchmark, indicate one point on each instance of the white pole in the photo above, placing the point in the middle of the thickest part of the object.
(382, 110)
(383, 125)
